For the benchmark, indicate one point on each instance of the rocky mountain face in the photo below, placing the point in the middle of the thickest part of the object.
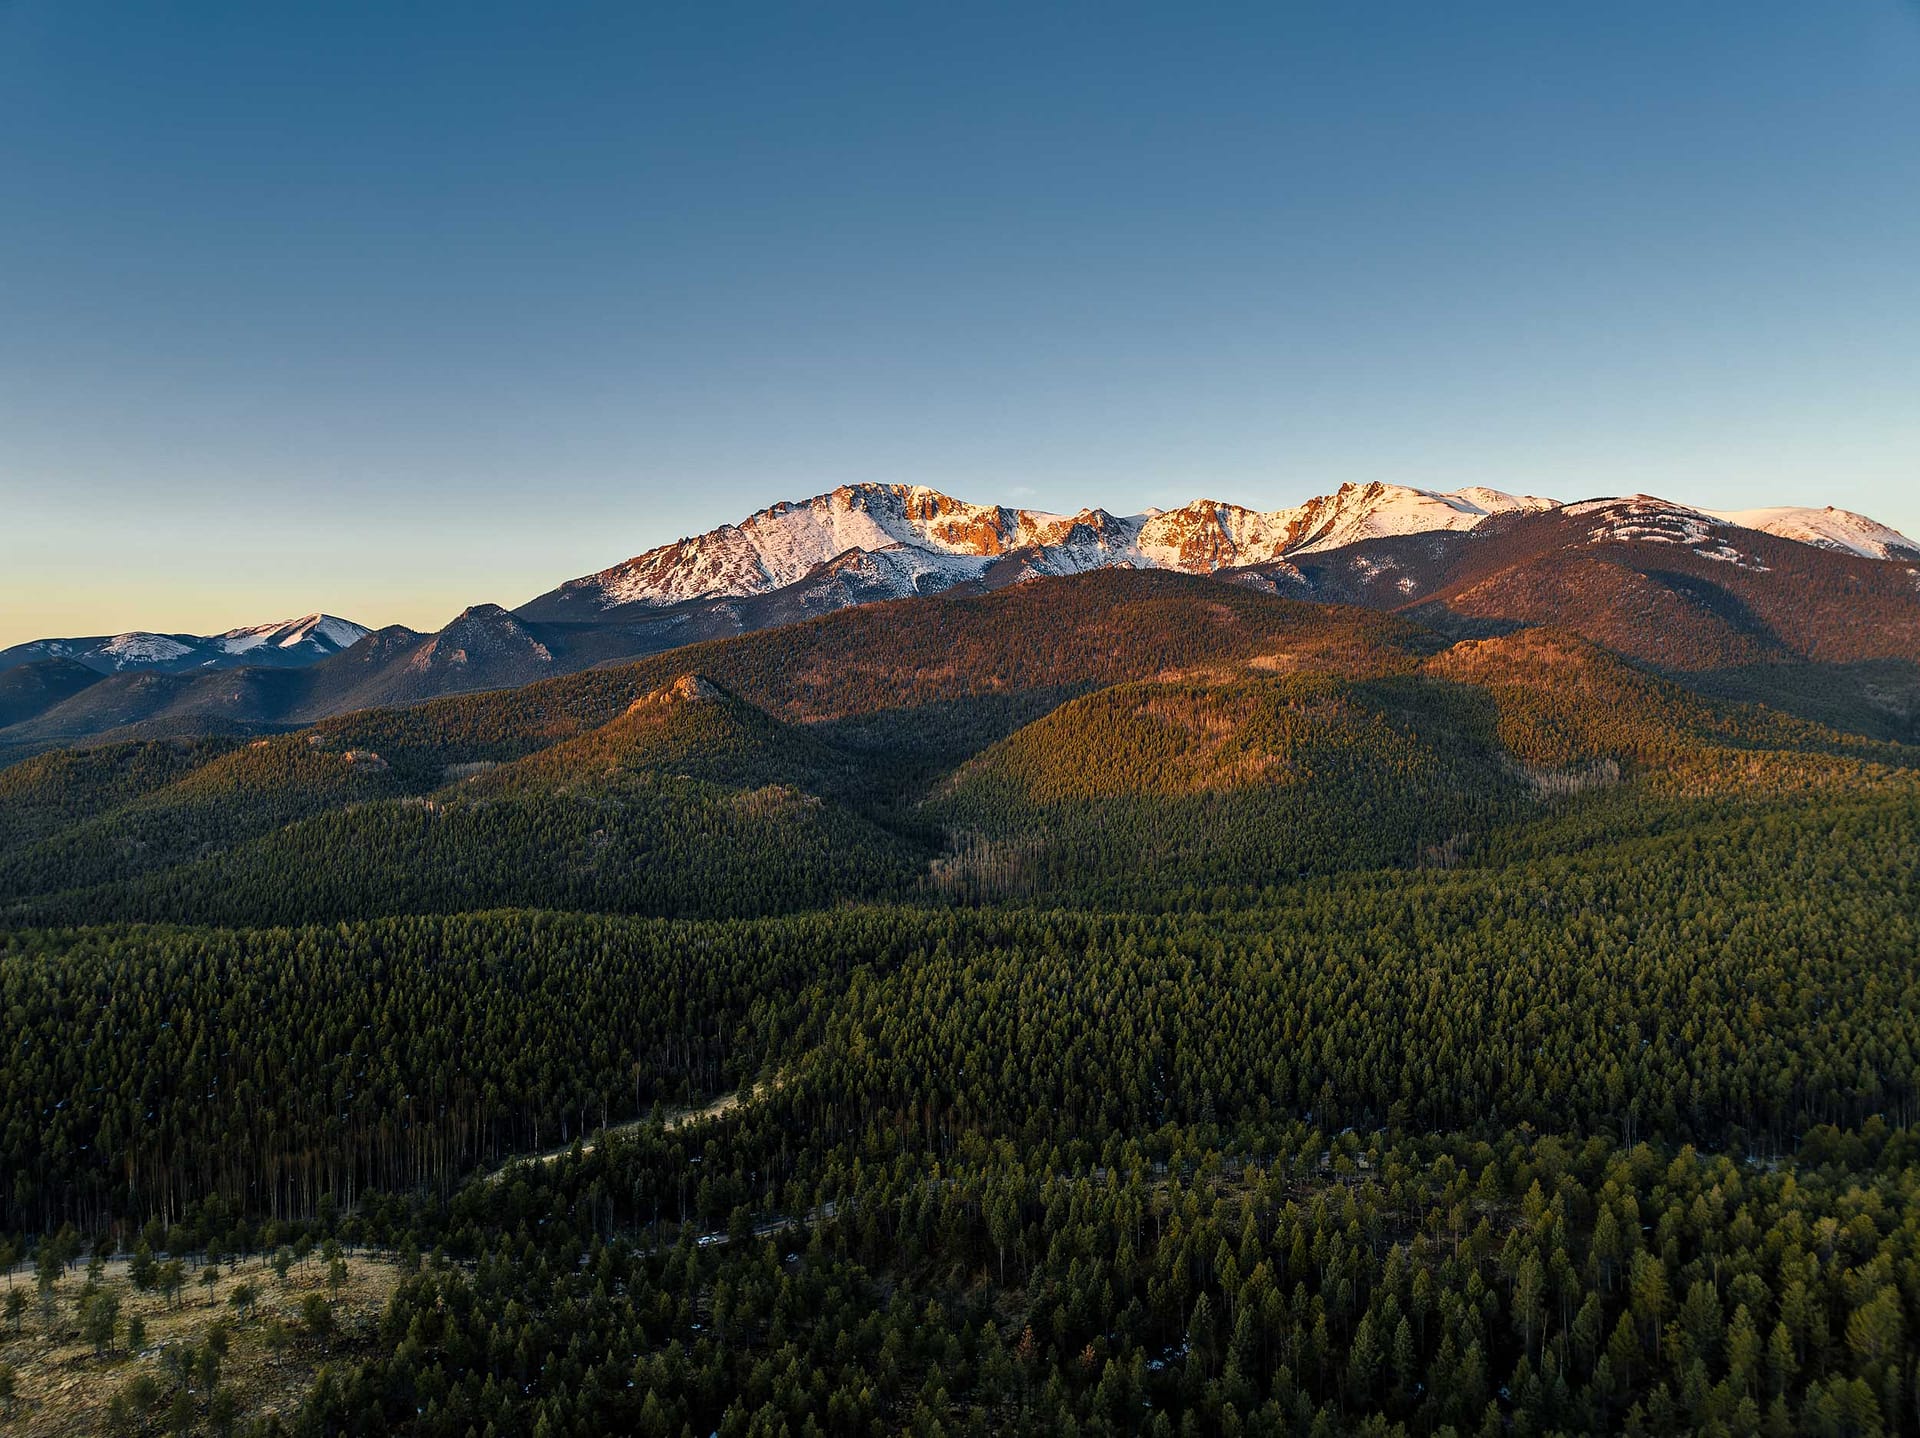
(893, 541)
(919, 541)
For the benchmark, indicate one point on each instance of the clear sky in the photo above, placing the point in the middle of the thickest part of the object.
(387, 308)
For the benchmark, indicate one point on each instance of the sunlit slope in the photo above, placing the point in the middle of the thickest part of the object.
(1111, 738)
(1171, 788)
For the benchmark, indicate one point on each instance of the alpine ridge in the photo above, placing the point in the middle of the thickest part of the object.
(932, 541)
(895, 540)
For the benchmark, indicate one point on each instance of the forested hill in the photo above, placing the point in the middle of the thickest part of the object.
(1139, 1005)
(1120, 738)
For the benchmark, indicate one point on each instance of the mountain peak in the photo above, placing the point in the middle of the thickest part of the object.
(1827, 528)
(325, 632)
(893, 540)
(487, 613)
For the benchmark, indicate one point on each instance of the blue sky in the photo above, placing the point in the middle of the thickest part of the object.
(387, 309)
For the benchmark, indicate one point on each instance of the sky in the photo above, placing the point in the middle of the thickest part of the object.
(387, 309)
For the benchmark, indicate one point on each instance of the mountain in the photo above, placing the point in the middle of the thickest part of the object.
(314, 636)
(483, 647)
(143, 684)
(908, 539)
(286, 642)
(1710, 593)
(1244, 775)
(1817, 610)
(726, 778)
(1735, 611)
(690, 728)
(1658, 581)
(872, 541)
(1828, 528)
(1101, 735)
(936, 677)
(783, 706)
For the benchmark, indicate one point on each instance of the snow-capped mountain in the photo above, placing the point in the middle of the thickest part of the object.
(285, 643)
(1712, 531)
(1828, 528)
(1680, 588)
(872, 541)
(322, 632)
(922, 541)
(1206, 535)
(787, 542)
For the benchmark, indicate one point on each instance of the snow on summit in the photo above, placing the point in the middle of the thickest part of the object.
(1828, 528)
(283, 643)
(324, 631)
(140, 647)
(786, 542)
(911, 539)
(1648, 519)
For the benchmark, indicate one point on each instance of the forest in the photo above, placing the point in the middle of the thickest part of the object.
(1285, 1021)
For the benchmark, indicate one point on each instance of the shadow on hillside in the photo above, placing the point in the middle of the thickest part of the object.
(1878, 698)
(927, 740)
(1455, 626)
(1721, 603)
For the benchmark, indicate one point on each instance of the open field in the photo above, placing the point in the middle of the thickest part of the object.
(63, 1385)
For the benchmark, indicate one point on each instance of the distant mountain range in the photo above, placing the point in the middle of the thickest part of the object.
(288, 642)
(1726, 595)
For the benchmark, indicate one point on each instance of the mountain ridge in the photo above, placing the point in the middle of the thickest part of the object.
(956, 541)
(1742, 607)
(1070, 737)
(283, 642)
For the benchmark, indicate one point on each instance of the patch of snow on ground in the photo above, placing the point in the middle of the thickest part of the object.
(1645, 520)
(1727, 554)
(912, 570)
